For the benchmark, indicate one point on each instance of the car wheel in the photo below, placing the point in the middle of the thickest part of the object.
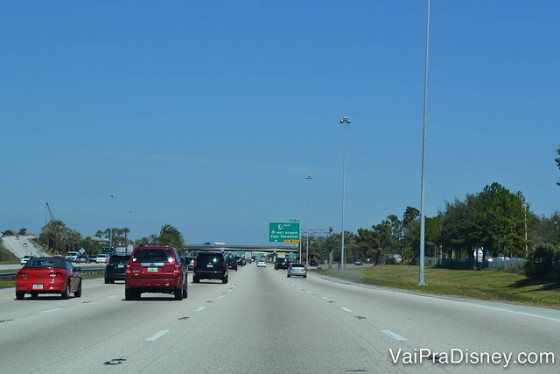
(225, 280)
(195, 280)
(34, 295)
(289, 275)
(66, 293)
(20, 295)
(305, 276)
(78, 292)
(128, 294)
(106, 281)
(185, 292)
(178, 294)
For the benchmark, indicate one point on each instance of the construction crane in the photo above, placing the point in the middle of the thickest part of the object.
(50, 211)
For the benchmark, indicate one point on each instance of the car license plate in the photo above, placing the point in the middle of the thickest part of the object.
(120, 266)
(209, 266)
(152, 270)
(37, 286)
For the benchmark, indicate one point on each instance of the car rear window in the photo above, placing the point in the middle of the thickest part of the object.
(45, 263)
(298, 265)
(153, 255)
(207, 258)
(119, 258)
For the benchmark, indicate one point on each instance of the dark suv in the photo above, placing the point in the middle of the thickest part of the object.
(116, 268)
(210, 265)
(156, 269)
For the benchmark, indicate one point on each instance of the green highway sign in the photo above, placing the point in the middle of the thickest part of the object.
(285, 232)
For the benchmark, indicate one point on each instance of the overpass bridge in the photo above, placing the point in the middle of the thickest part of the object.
(241, 247)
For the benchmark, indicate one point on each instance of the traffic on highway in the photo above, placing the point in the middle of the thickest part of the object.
(262, 321)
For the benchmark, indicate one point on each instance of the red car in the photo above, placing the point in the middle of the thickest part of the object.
(48, 275)
(157, 269)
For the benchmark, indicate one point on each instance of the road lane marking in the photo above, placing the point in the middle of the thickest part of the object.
(324, 298)
(157, 335)
(112, 296)
(393, 335)
(51, 310)
(200, 309)
(347, 310)
(221, 297)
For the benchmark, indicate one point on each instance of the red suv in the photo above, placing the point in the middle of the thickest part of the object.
(156, 269)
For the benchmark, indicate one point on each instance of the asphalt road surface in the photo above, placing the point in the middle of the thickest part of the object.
(264, 322)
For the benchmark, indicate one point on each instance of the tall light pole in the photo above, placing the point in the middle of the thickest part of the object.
(309, 178)
(345, 121)
(112, 196)
(423, 189)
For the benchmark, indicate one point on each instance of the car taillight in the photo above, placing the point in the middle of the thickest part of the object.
(108, 261)
(56, 274)
(224, 265)
(195, 264)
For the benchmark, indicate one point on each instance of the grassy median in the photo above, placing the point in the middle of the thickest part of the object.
(495, 285)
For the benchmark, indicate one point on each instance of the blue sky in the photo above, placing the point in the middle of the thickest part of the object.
(208, 115)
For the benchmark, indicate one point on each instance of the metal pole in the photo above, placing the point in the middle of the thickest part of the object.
(309, 178)
(112, 196)
(344, 122)
(423, 192)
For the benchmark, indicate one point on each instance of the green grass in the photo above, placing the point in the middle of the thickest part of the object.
(495, 285)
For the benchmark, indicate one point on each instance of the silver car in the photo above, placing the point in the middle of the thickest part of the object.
(297, 270)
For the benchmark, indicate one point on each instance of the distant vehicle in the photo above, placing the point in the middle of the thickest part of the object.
(72, 256)
(102, 258)
(261, 263)
(232, 263)
(190, 262)
(155, 269)
(25, 244)
(297, 269)
(24, 260)
(281, 263)
(240, 261)
(210, 265)
(48, 275)
(116, 268)
(358, 263)
(81, 259)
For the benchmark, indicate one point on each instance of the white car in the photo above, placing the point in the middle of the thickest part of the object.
(261, 263)
(101, 258)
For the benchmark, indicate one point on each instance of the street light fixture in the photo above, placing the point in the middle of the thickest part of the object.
(309, 178)
(345, 121)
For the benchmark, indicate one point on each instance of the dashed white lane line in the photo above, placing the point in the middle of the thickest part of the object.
(157, 335)
(200, 309)
(51, 310)
(347, 310)
(393, 335)
(324, 298)
(221, 297)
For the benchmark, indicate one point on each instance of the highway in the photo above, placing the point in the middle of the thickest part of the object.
(264, 322)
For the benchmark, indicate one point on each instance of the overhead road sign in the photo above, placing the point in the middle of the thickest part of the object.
(286, 232)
